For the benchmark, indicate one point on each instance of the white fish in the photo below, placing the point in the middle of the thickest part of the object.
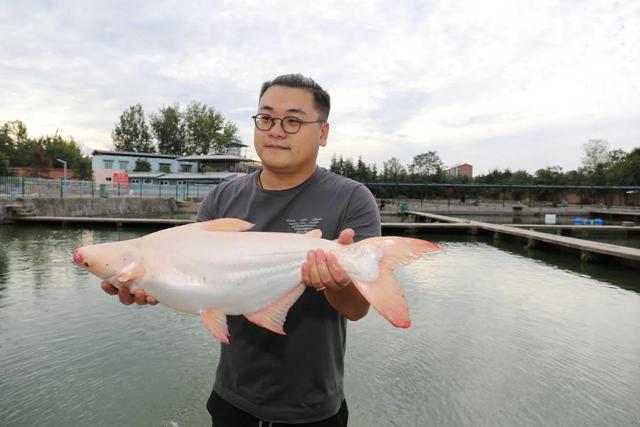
(217, 268)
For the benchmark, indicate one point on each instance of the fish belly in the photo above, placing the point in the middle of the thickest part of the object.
(231, 288)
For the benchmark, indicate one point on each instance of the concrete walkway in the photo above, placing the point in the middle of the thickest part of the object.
(584, 247)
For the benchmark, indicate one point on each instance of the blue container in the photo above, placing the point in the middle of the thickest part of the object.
(598, 221)
(587, 221)
(578, 220)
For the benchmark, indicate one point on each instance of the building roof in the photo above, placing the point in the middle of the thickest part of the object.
(211, 157)
(235, 144)
(132, 154)
(145, 174)
(207, 175)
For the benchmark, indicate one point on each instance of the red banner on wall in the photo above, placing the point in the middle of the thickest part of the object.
(121, 178)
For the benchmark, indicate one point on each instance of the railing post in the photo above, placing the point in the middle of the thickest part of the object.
(61, 189)
(22, 185)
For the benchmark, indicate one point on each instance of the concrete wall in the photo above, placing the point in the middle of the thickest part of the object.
(124, 206)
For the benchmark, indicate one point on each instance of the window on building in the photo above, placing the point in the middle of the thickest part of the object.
(185, 168)
(164, 182)
(147, 181)
(108, 164)
(108, 179)
(135, 181)
(124, 165)
(165, 167)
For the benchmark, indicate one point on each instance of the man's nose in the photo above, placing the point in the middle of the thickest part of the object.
(276, 130)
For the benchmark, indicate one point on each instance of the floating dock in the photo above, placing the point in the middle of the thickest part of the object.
(587, 249)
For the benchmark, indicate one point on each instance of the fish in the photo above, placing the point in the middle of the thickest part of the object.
(217, 268)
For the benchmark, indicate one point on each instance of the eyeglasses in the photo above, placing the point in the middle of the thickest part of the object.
(289, 124)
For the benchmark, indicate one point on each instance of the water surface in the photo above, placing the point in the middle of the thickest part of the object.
(498, 339)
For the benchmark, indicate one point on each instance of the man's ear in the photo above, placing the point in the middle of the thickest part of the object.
(324, 134)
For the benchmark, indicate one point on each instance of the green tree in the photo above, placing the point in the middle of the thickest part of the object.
(426, 165)
(596, 152)
(204, 129)
(167, 127)
(131, 133)
(393, 170)
(57, 147)
(333, 167)
(142, 166)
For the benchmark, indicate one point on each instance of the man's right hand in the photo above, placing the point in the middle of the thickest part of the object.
(126, 298)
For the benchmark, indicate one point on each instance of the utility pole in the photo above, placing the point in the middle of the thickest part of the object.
(65, 170)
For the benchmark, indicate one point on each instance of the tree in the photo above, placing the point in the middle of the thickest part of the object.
(393, 170)
(142, 166)
(596, 152)
(168, 128)
(132, 132)
(426, 165)
(204, 129)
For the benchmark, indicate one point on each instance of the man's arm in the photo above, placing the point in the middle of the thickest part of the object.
(323, 272)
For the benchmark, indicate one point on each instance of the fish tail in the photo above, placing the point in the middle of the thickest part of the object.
(383, 290)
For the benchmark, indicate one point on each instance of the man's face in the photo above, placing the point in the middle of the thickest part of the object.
(283, 152)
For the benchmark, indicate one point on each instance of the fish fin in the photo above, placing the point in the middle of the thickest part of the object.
(226, 224)
(216, 323)
(316, 233)
(273, 316)
(385, 293)
(132, 271)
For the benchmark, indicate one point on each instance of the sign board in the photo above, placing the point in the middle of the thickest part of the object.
(121, 178)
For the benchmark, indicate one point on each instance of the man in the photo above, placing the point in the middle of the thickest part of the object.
(297, 379)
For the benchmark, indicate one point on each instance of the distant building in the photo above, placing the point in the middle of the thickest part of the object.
(462, 169)
(111, 166)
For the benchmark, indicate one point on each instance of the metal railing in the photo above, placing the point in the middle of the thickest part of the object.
(25, 187)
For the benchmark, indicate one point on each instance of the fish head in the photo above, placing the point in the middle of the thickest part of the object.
(117, 261)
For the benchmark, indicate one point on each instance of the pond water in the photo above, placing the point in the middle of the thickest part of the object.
(498, 338)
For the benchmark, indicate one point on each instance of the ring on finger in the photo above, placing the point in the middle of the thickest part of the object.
(321, 288)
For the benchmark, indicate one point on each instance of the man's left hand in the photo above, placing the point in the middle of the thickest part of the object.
(322, 271)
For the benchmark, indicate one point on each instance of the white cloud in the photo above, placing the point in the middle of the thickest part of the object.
(519, 84)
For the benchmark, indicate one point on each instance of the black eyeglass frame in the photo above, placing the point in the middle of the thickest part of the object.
(273, 122)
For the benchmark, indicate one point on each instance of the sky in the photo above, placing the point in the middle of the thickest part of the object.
(496, 84)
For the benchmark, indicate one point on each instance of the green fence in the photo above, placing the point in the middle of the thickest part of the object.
(23, 187)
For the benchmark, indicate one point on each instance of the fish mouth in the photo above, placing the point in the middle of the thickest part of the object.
(78, 259)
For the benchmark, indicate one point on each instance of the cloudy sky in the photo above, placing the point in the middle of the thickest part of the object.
(498, 84)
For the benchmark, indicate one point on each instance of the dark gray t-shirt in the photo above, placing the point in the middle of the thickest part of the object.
(294, 378)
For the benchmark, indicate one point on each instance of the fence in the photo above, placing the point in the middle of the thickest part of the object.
(24, 187)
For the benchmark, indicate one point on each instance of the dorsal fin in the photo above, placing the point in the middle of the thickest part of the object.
(316, 232)
(226, 224)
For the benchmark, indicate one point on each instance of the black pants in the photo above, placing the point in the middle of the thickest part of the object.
(224, 414)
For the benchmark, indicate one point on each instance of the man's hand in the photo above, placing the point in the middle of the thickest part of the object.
(322, 271)
(126, 298)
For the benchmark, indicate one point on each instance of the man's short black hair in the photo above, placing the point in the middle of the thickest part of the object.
(321, 98)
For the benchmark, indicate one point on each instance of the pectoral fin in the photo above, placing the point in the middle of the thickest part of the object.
(216, 323)
(273, 316)
(132, 271)
(316, 233)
